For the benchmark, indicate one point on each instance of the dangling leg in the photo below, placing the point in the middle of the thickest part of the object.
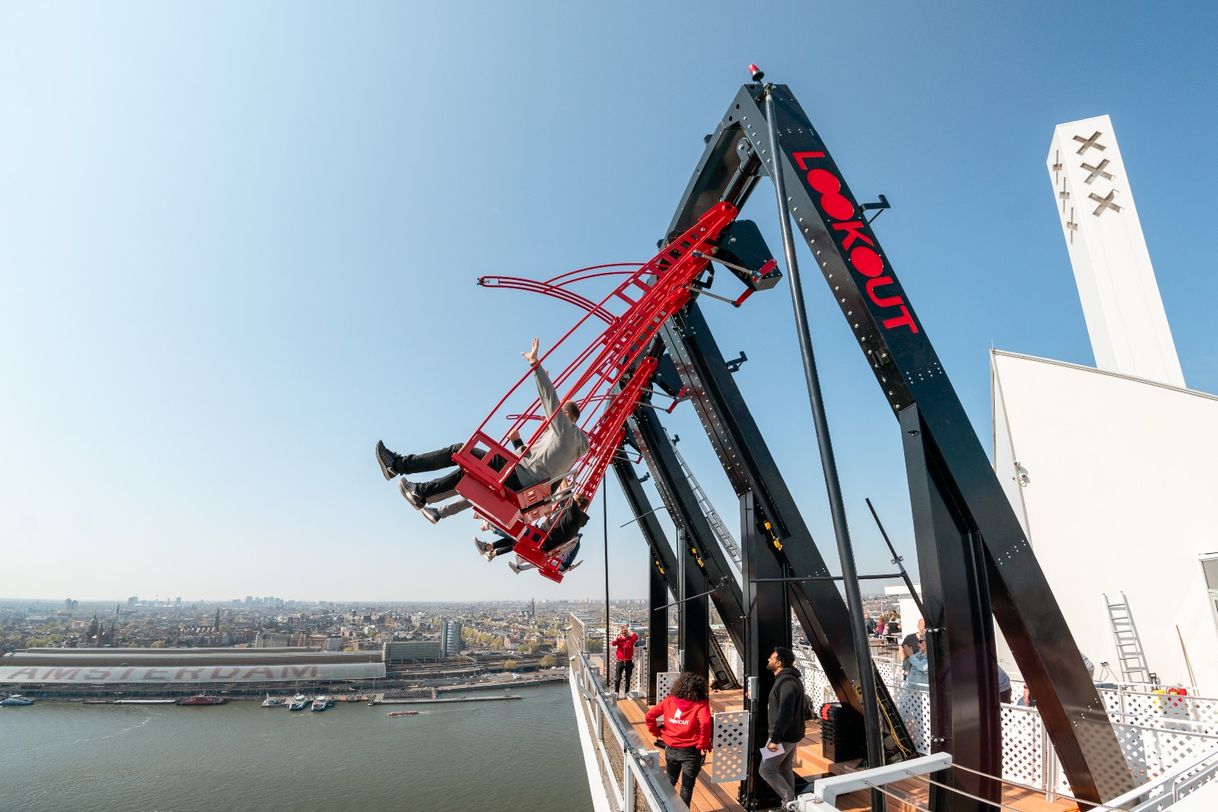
(503, 543)
(519, 566)
(491, 550)
(394, 464)
(418, 493)
(435, 514)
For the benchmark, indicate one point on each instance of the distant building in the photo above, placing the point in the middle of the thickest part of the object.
(450, 639)
(271, 640)
(168, 672)
(408, 651)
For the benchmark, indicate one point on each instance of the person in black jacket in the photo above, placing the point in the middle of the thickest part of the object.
(563, 524)
(785, 711)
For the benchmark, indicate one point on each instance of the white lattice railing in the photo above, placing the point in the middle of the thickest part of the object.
(1159, 734)
(630, 772)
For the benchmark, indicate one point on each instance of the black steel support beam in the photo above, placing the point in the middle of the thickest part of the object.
(657, 629)
(745, 456)
(963, 513)
(971, 679)
(700, 545)
(693, 616)
(769, 625)
(726, 598)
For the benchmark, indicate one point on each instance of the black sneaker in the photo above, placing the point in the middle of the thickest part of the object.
(385, 458)
(410, 494)
(430, 514)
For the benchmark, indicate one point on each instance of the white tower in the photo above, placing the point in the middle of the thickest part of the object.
(1116, 282)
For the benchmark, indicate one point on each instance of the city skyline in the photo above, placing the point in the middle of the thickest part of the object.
(241, 244)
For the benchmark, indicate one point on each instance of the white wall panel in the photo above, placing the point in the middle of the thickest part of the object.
(1121, 494)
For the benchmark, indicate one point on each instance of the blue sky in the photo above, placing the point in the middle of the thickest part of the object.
(238, 244)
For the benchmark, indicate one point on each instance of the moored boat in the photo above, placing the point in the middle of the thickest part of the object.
(298, 703)
(321, 703)
(203, 699)
(273, 701)
(16, 701)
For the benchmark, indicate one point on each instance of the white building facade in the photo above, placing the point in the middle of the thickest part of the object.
(1112, 470)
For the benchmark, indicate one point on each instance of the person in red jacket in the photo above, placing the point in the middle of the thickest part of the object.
(624, 643)
(686, 732)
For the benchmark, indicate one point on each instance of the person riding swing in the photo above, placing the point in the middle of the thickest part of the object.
(548, 459)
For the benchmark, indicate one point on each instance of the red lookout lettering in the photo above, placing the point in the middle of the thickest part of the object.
(856, 247)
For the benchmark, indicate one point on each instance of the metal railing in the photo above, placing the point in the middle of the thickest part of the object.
(1161, 793)
(630, 772)
(1170, 742)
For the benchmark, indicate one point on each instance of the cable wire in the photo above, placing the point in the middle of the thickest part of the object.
(958, 791)
(903, 799)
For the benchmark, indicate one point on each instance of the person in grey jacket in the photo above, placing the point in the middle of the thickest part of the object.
(785, 711)
(549, 458)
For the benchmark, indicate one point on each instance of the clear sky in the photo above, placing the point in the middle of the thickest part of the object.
(238, 244)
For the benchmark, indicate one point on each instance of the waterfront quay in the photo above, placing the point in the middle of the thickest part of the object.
(115, 674)
(141, 649)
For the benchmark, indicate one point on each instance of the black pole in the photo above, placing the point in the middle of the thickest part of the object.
(605, 531)
(854, 599)
(896, 559)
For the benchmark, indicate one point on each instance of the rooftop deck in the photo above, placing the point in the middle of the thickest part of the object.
(904, 796)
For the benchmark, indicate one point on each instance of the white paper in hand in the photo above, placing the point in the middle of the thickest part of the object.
(768, 753)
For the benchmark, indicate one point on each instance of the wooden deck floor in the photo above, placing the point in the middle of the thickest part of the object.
(709, 797)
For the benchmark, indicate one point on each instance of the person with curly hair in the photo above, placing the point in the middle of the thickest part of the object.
(686, 732)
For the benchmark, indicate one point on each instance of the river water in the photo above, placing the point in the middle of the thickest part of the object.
(521, 755)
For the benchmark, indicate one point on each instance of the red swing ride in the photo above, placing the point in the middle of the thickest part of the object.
(606, 380)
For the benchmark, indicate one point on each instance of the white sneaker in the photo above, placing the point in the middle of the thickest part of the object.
(515, 567)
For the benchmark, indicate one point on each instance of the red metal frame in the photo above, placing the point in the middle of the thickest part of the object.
(559, 290)
(648, 297)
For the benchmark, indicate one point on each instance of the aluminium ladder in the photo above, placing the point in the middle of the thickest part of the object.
(722, 534)
(1130, 656)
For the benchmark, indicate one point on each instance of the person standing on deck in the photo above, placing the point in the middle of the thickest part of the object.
(785, 710)
(686, 733)
(624, 643)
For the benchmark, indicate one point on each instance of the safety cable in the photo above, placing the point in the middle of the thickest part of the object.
(1029, 787)
(904, 800)
(1094, 807)
(958, 791)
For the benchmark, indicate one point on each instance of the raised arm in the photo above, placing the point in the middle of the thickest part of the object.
(549, 398)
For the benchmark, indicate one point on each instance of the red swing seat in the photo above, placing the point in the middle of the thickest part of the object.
(651, 294)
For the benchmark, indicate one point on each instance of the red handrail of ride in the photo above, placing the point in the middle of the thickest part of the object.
(705, 230)
(652, 293)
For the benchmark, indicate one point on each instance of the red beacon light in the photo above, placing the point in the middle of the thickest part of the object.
(756, 73)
